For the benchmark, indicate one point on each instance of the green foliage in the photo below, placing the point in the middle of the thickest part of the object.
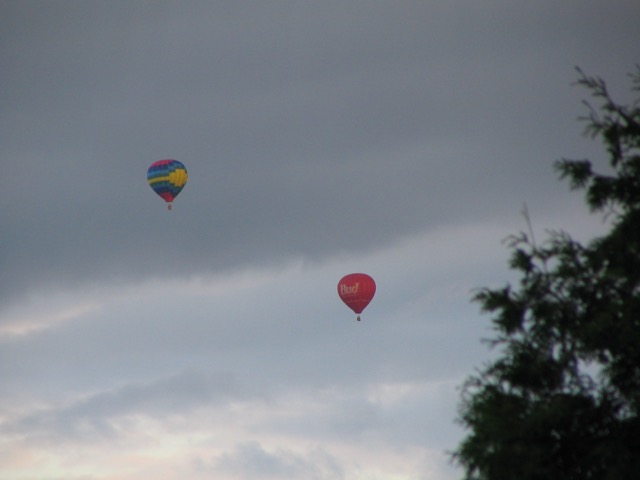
(563, 399)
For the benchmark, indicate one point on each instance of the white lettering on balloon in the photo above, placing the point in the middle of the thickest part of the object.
(346, 290)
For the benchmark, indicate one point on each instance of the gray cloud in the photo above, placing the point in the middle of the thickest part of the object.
(251, 459)
(306, 128)
(320, 138)
(98, 417)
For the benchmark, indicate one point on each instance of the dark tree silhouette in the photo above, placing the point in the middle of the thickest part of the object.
(561, 402)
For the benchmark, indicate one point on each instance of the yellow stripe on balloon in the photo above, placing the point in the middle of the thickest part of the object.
(158, 179)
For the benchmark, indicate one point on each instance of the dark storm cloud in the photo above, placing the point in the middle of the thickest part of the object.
(306, 128)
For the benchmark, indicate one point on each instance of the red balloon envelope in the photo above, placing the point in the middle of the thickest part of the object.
(356, 290)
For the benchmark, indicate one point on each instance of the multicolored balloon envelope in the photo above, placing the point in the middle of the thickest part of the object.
(356, 290)
(167, 178)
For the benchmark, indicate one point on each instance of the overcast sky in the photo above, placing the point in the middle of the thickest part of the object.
(400, 139)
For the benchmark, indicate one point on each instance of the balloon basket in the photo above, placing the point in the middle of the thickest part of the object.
(169, 207)
(358, 318)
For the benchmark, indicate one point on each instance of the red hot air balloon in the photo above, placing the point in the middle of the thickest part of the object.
(356, 290)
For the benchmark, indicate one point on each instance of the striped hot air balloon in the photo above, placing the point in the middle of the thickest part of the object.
(167, 178)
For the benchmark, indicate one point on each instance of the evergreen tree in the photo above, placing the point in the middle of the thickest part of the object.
(562, 400)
